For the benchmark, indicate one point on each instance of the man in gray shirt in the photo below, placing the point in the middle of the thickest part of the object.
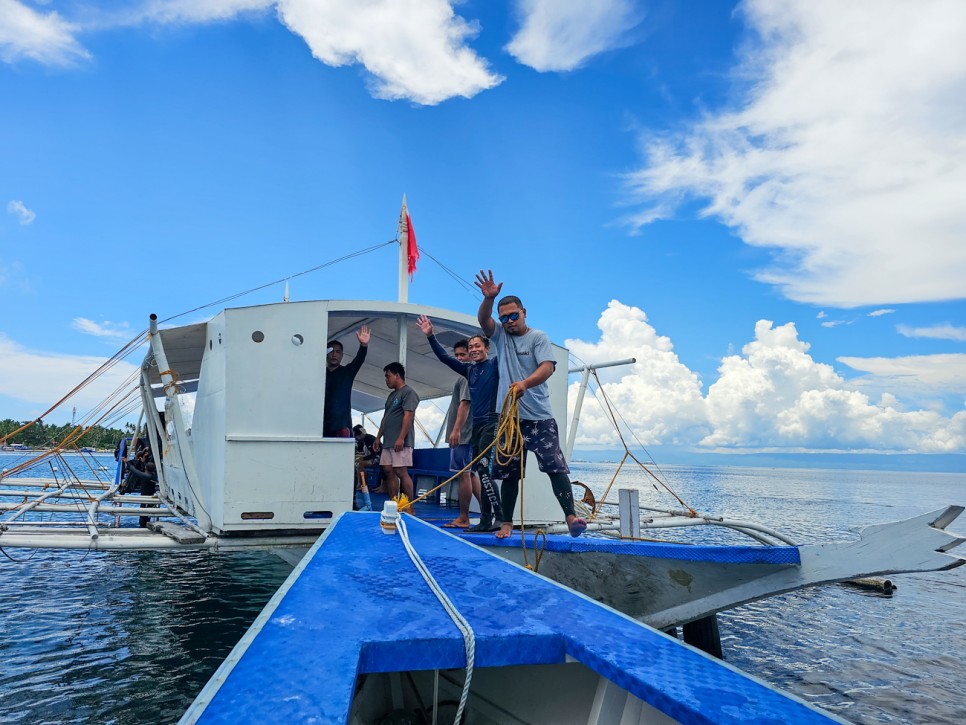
(526, 363)
(395, 437)
(459, 435)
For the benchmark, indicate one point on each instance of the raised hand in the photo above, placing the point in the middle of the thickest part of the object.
(363, 335)
(488, 287)
(424, 324)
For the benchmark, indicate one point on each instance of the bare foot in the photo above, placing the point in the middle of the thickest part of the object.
(505, 530)
(460, 523)
(576, 526)
(378, 490)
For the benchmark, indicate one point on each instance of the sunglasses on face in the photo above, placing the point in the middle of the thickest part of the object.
(514, 316)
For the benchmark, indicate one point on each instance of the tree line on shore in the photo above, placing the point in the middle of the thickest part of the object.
(47, 435)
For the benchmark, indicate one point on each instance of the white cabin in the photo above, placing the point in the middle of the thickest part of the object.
(253, 457)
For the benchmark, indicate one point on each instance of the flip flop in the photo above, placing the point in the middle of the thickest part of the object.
(454, 525)
(577, 527)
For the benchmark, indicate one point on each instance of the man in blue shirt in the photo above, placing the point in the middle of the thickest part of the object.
(482, 375)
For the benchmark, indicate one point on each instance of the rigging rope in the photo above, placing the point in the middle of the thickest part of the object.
(627, 454)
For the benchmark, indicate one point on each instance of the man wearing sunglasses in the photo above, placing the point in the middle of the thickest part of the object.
(526, 362)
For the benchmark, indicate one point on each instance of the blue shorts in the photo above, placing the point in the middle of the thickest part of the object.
(543, 438)
(460, 457)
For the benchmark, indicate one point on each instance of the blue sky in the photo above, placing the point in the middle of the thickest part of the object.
(760, 203)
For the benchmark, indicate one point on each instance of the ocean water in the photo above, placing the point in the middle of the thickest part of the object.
(132, 637)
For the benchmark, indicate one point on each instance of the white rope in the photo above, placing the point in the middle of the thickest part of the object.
(469, 639)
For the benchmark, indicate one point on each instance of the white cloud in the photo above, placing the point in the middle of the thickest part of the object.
(658, 396)
(559, 35)
(846, 152)
(41, 378)
(42, 37)
(928, 374)
(938, 332)
(199, 11)
(19, 210)
(112, 330)
(879, 313)
(414, 49)
(772, 396)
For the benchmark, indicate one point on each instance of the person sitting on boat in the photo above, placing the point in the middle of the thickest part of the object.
(526, 363)
(142, 474)
(365, 456)
(337, 412)
(395, 438)
(481, 374)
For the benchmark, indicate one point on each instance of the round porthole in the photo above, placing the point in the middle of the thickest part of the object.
(258, 336)
(297, 339)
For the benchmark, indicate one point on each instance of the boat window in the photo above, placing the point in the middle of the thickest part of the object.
(258, 336)
(297, 340)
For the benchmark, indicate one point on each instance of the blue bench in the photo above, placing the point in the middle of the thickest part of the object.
(430, 468)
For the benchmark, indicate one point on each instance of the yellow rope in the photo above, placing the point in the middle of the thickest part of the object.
(510, 445)
(409, 504)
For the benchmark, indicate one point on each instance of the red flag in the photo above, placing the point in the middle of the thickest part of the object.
(412, 250)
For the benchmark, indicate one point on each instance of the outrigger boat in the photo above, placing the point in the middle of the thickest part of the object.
(250, 469)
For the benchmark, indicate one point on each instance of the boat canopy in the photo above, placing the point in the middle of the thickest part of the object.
(185, 347)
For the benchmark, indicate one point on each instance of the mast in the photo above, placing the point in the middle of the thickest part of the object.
(403, 230)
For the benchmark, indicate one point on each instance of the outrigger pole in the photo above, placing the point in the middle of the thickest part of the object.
(586, 369)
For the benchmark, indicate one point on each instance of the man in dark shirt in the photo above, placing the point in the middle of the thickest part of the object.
(337, 415)
(365, 456)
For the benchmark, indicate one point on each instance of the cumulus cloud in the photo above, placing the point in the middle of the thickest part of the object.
(658, 396)
(845, 151)
(112, 330)
(938, 332)
(19, 210)
(41, 378)
(560, 35)
(879, 313)
(413, 49)
(771, 396)
(45, 38)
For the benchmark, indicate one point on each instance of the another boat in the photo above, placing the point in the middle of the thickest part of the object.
(457, 633)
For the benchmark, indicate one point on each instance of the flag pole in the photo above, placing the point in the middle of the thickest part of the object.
(403, 279)
(403, 253)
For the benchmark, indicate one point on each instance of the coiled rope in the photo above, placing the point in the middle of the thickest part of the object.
(469, 638)
(509, 445)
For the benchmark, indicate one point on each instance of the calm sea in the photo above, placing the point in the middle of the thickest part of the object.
(132, 637)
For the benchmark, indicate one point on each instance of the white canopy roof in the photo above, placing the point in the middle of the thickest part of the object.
(184, 347)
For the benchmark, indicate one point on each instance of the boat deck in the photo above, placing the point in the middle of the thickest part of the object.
(356, 605)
